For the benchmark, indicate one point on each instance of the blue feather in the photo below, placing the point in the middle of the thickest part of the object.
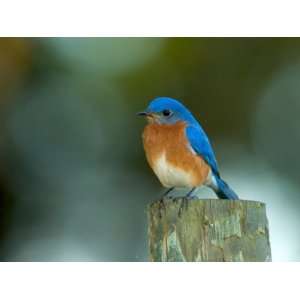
(196, 136)
(201, 145)
(224, 191)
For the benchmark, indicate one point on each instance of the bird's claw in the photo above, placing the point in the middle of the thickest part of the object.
(190, 198)
(167, 197)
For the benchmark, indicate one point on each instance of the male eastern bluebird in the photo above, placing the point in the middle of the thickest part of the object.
(178, 150)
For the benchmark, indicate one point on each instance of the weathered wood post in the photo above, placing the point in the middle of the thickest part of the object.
(208, 230)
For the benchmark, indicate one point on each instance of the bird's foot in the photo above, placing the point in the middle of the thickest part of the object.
(166, 195)
(191, 198)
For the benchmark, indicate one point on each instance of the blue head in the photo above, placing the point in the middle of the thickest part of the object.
(165, 110)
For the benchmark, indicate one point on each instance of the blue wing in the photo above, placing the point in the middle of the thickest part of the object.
(201, 145)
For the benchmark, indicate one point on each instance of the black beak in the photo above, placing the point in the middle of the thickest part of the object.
(142, 113)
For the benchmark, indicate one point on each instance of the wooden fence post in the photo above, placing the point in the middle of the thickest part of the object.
(208, 230)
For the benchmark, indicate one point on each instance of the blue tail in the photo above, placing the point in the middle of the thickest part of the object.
(223, 190)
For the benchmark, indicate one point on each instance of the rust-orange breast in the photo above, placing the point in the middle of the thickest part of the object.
(171, 158)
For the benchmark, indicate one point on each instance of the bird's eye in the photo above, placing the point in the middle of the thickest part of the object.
(166, 112)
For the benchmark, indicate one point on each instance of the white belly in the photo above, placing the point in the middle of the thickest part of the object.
(171, 176)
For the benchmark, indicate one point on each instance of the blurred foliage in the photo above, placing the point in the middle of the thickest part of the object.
(74, 182)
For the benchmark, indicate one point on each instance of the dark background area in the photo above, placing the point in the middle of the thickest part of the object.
(74, 181)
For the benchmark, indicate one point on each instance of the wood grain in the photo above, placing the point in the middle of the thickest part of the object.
(208, 230)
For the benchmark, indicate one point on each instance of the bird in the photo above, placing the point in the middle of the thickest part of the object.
(179, 151)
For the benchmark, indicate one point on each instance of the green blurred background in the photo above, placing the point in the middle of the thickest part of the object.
(74, 181)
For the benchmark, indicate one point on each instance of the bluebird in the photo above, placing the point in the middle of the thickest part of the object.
(178, 150)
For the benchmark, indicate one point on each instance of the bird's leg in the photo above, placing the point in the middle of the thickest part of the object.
(161, 201)
(188, 195)
(167, 192)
